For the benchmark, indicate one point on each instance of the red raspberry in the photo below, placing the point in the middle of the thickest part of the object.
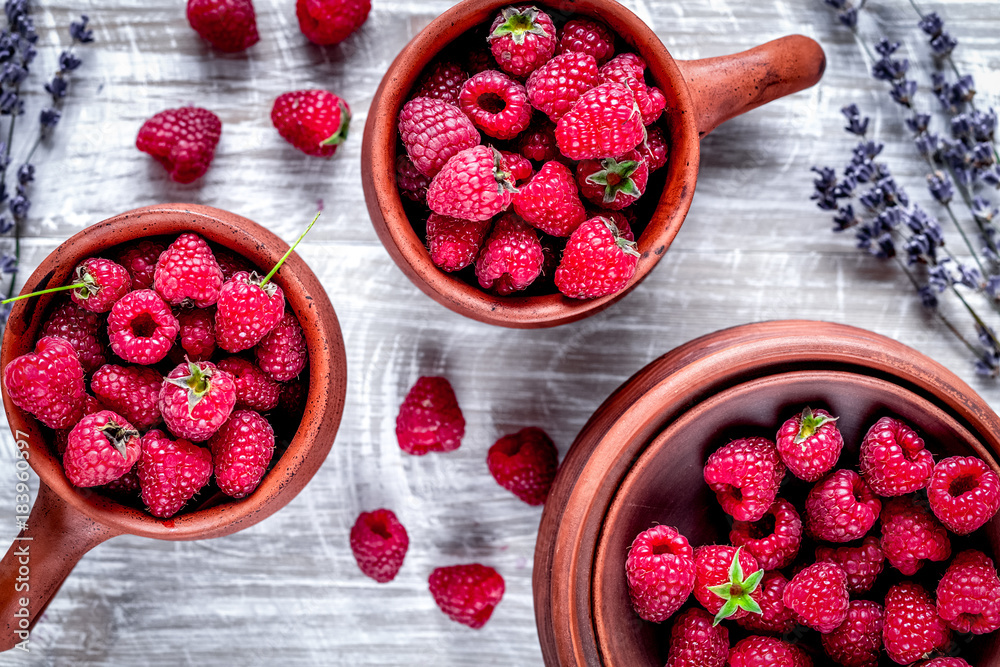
(963, 493)
(479, 60)
(649, 99)
(282, 354)
(474, 185)
(139, 259)
(228, 25)
(142, 327)
(171, 472)
(623, 223)
(379, 543)
(727, 581)
(604, 121)
(858, 640)
(254, 390)
(538, 142)
(197, 335)
(230, 264)
(775, 617)
(893, 458)
(841, 507)
(429, 419)
(292, 399)
(452, 243)
(745, 475)
(654, 149)
(695, 642)
(241, 451)
(597, 261)
(90, 406)
(81, 329)
(818, 597)
(522, 39)
(525, 464)
(467, 593)
(810, 443)
(48, 383)
(442, 82)
(613, 183)
(945, 662)
(862, 564)
(125, 487)
(511, 258)
(182, 140)
(584, 36)
(774, 539)
(757, 651)
(622, 67)
(314, 121)
(912, 628)
(246, 311)
(520, 167)
(433, 131)
(327, 22)
(412, 184)
(968, 595)
(497, 104)
(550, 201)
(102, 447)
(555, 87)
(104, 282)
(130, 391)
(911, 535)
(196, 399)
(187, 273)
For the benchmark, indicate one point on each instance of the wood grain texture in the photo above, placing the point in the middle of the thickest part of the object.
(287, 590)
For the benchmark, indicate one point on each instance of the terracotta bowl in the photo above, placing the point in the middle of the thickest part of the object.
(638, 462)
(66, 522)
(700, 95)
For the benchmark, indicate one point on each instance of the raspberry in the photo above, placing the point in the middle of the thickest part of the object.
(314, 121)
(968, 595)
(858, 640)
(228, 25)
(379, 543)
(945, 662)
(327, 22)
(550, 201)
(292, 399)
(695, 642)
(171, 472)
(197, 335)
(139, 259)
(182, 140)
(757, 651)
(187, 273)
(613, 183)
(538, 142)
(775, 617)
(604, 121)
(125, 487)
(282, 354)
(230, 264)
(102, 447)
(649, 99)
(911, 535)
(841, 507)
(810, 443)
(81, 329)
(474, 185)
(522, 39)
(130, 391)
(479, 60)
(241, 451)
(196, 399)
(893, 458)
(818, 597)
(745, 475)
(433, 131)
(525, 464)
(103, 283)
(141, 327)
(623, 223)
(583, 36)
(452, 243)
(774, 539)
(862, 564)
(511, 258)
(467, 593)
(412, 184)
(48, 383)
(520, 167)
(497, 104)
(597, 261)
(963, 493)
(442, 82)
(622, 67)
(654, 149)
(246, 311)
(912, 628)
(254, 390)
(555, 87)
(429, 419)
(727, 581)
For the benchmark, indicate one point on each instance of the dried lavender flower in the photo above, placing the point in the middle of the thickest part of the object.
(940, 187)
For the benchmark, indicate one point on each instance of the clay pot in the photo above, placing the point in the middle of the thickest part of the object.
(700, 95)
(638, 462)
(65, 521)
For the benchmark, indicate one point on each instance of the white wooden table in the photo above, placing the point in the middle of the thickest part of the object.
(287, 591)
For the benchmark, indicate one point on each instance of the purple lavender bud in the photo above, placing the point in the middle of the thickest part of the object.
(963, 90)
(927, 297)
(943, 45)
(849, 17)
(993, 286)
(892, 194)
(25, 173)
(886, 48)
(983, 124)
(68, 62)
(836, 4)
(11, 104)
(939, 277)
(940, 187)
(886, 247)
(983, 210)
(988, 366)
(961, 125)
(19, 206)
(13, 74)
(981, 155)
(48, 117)
(938, 82)
(57, 87)
(931, 24)
(918, 122)
(8, 263)
(845, 218)
(927, 144)
(866, 150)
(845, 188)
(991, 176)
(902, 92)
(888, 220)
(872, 199)
(969, 276)
(78, 30)
(827, 178)
(918, 247)
(6, 224)
(856, 123)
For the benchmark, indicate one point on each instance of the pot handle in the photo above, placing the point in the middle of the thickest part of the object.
(40, 559)
(726, 86)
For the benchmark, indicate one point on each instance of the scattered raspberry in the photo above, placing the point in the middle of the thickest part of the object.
(520, 167)
(550, 201)
(775, 617)
(584, 36)
(429, 419)
(912, 627)
(555, 87)
(443, 81)
(142, 327)
(282, 354)
(171, 472)
(452, 243)
(511, 258)
(254, 390)
(893, 458)
(604, 121)
(104, 282)
(968, 595)
(379, 543)
(467, 593)
(841, 507)
(196, 339)
(241, 451)
(862, 564)
(911, 535)
(810, 443)
(745, 475)
(654, 149)
(757, 651)
(187, 273)
(522, 39)
(48, 383)
(597, 261)
(963, 493)
(858, 640)
(433, 131)
(726, 581)
(525, 464)
(411, 182)
(818, 597)
(81, 329)
(139, 259)
(314, 121)
(327, 22)
(613, 183)
(228, 25)
(196, 399)
(695, 642)
(246, 311)
(182, 140)
(474, 185)
(497, 104)
(774, 539)
(130, 391)
(538, 142)
(102, 447)
(230, 264)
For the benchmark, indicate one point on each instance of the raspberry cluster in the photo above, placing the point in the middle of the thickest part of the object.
(849, 572)
(528, 158)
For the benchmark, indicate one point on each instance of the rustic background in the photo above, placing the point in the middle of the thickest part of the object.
(287, 591)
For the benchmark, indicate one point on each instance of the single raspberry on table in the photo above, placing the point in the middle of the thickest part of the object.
(443, 81)
(775, 617)
(654, 149)
(511, 258)
(911, 627)
(757, 651)
(810, 444)
(139, 259)
(727, 581)
(550, 201)
(228, 25)
(520, 167)
(196, 335)
(818, 597)
(473, 185)
(555, 87)
(48, 383)
(241, 451)
(613, 183)
(131, 391)
(968, 595)
(429, 419)
(598, 261)
(862, 563)
(328, 22)
(538, 142)
(247, 309)
(80, 328)
(773, 539)
(314, 121)
(522, 39)
(412, 184)
(254, 390)
(745, 475)
(102, 447)
(604, 121)
(379, 543)
(182, 140)
(964, 493)
(857, 642)
(230, 263)
(911, 535)
(196, 398)
(945, 662)
(467, 594)
(187, 274)
(142, 328)
(497, 104)
(453, 244)
(893, 458)
(695, 642)
(171, 472)
(102, 282)
(585, 36)
(841, 507)
(525, 464)
(283, 353)
(433, 131)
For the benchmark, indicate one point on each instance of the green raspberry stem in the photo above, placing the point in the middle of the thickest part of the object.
(285, 256)
(45, 291)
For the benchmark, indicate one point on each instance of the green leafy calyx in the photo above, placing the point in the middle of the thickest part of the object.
(809, 423)
(736, 592)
